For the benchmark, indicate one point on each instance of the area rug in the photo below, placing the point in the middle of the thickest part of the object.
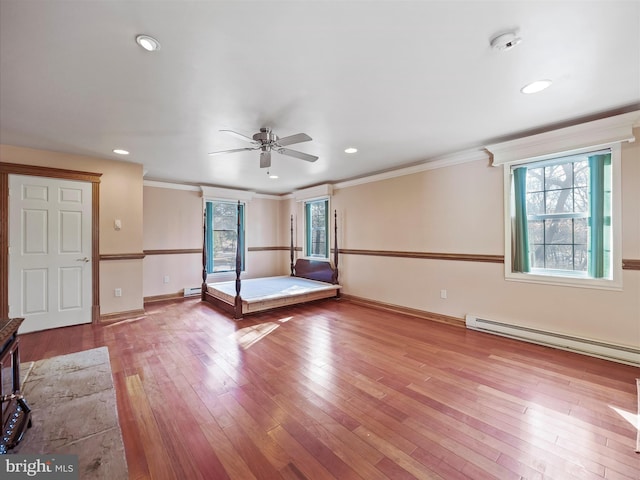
(74, 411)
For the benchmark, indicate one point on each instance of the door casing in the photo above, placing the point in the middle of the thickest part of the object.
(12, 168)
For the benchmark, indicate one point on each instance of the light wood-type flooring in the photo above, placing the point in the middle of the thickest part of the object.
(336, 390)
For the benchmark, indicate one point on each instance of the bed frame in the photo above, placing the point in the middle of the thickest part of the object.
(317, 270)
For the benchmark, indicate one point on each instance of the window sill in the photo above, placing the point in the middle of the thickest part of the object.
(566, 281)
(222, 276)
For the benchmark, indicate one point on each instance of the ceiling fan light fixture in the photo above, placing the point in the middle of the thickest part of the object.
(147, 42)
(267, 141)
(535, 87)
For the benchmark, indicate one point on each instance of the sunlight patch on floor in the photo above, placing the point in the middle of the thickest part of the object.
(126, 320)
(632, 418)
(248, 336)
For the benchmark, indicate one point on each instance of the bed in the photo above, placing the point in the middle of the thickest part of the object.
(310, 279)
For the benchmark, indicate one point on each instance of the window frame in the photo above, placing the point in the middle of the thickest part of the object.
(307, 228)
(243, 234)
(568, 278)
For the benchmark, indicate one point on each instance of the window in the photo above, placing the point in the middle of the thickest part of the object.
(561, 217)
(317, 228)
(221, 237)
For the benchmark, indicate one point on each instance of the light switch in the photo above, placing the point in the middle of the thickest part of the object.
(117, 224)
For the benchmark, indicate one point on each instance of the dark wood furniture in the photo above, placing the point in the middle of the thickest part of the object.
(318, 270)
(16, 414)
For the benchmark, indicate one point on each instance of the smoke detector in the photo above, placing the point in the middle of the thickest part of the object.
(505, 41)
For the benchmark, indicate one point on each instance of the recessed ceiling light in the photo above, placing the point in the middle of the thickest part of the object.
(273, 177)
(150, 44)
(119, 151)
(350, 150)
(537, 86)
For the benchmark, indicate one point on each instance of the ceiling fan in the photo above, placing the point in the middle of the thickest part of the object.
(266, 141)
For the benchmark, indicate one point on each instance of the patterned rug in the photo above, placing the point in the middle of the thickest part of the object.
(74, 411)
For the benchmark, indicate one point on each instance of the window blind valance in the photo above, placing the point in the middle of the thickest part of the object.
(319, 191)
(226, 194)
(598, 133)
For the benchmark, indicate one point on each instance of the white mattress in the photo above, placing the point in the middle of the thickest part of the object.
(267, 288)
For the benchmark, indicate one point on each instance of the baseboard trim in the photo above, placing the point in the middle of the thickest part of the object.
(113, 317)
(562, 341)
(423, 314)
(167, 297)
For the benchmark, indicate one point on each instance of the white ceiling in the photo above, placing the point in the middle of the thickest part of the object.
(404, 82)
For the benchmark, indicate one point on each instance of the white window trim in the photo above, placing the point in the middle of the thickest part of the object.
(244, 200)
(573, 279)
(329, 225)
(607, 132)
(219, 194)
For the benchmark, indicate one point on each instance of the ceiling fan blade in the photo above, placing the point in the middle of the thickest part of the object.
(239, 135)
(296, 154)
(233, 150)
(265, 159)
(291, 139)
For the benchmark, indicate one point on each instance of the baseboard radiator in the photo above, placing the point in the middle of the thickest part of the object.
(616, 353)
(192, 291)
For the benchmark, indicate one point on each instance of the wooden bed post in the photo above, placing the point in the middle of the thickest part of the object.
(204, 255)
(291, 249)
(238, 300)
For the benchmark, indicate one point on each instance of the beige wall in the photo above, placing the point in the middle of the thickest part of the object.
(172, 221)
(263, 226)
(452, 210)
(459, 209)
(120, 198)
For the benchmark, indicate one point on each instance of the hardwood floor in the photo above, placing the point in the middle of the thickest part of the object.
(335, 390)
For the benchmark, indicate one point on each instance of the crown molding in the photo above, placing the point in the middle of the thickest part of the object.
(172, 186)
(465, 156)
(217, 192)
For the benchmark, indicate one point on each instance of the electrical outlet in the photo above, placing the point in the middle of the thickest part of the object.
(117, 292)
(443, 294)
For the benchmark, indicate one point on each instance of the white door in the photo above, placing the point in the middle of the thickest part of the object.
(50, 282)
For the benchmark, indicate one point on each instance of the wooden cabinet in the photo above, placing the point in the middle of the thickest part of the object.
(16, 414)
